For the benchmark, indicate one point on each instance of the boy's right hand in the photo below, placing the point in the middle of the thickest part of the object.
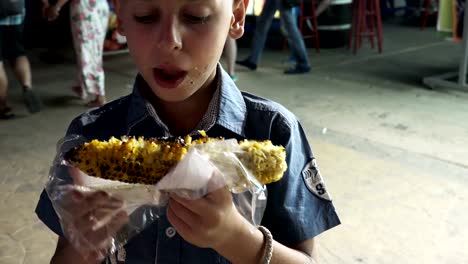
(93, 218)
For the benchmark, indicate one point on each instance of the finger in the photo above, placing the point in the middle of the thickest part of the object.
(101, 237)
(182, 228)
(77, 175)
(103, 253)
(183, 213)
(93, 255)
(87, 211)
(95, 219)
(101, 198)
(216, 181)
(98, 255)
(86, 203)
(71, 197)
(222, 195)
(196, 206)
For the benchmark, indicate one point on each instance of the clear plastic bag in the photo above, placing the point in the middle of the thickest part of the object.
(205, 168)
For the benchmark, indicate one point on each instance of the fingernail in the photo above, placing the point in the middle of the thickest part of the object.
(122, 213)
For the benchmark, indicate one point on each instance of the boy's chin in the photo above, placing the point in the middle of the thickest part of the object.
(172, 96)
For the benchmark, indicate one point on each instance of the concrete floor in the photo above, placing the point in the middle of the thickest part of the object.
(394, 154)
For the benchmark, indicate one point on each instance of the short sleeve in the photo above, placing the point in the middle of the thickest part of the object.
(44, 209)
(299, 206)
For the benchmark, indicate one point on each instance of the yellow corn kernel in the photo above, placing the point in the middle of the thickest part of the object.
(147, 161)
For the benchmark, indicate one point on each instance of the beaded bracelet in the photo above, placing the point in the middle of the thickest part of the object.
(268, 253)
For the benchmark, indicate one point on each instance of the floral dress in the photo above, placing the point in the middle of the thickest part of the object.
(89, 19)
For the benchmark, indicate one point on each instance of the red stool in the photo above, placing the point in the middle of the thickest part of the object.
(426, 13)
(305, 31)
(367, 22)
(310, 33)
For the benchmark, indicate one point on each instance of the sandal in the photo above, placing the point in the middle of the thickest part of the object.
(234, 77)
(32, 101)
(6, 113)
(95, 103)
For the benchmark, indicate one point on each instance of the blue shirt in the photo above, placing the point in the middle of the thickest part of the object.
(298, 206)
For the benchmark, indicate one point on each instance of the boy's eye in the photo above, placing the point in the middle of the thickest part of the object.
(196, 19)
(147, 19)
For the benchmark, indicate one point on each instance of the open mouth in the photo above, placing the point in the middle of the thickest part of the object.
(168, 78)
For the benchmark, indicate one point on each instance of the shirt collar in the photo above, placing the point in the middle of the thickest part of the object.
(137, 110)
(232, 108)
(227, 108)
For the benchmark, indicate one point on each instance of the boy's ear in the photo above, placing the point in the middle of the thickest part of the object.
(120, 26)
(238, 18)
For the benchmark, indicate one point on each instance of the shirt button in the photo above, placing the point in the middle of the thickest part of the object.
(170, 232)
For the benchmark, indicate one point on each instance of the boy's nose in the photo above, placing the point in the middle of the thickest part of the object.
(169, 35)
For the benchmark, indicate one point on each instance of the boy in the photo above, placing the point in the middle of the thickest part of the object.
(180, 89)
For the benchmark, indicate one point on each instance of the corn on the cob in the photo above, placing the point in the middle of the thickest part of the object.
(136, 160)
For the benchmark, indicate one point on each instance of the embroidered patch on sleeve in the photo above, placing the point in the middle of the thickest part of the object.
(314, 181)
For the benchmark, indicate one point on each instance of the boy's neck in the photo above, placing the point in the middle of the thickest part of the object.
(181, 118)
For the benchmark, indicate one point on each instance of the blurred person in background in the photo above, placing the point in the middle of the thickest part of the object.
(12, 50)
(289, 29)
(89, 20)
(321, 7)
(230, 53)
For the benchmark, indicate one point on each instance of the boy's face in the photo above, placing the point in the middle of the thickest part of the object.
(176, 44)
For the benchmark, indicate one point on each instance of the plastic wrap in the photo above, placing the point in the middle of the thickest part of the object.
(78, 198)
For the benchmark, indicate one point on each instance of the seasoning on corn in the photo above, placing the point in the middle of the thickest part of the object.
(136, 160)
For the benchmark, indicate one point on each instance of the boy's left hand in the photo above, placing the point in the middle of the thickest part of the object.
(208, 222)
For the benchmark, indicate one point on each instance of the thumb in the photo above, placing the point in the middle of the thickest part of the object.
(216, 181)
(217, 187)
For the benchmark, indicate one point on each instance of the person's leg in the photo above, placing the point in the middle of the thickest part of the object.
(295, 41)
(91, 52)
(100, 28)
(3, 76)
(22, 68)
(77, 37)
(5, 111)
(3, 87)
(291, 60)
(260, 35)
(230, 51)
